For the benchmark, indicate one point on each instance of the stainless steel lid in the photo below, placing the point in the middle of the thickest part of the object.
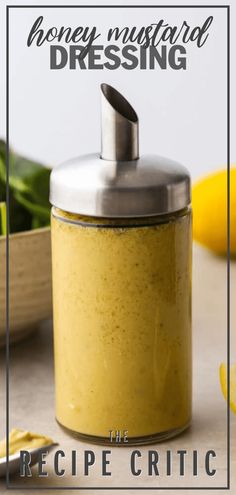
(119, 183)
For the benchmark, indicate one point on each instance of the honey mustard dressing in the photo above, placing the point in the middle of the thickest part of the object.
(122, 326)
(23, 440)
(121, 257)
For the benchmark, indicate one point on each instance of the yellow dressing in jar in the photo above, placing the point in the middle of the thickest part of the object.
(121, 263)
(122, 324)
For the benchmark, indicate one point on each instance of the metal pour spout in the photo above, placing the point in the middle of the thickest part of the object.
(119, 127)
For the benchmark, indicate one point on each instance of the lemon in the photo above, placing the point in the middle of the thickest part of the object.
(209, 202)
(223, 382)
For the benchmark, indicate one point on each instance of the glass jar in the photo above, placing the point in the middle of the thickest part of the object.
(122, 325)
(121, 257)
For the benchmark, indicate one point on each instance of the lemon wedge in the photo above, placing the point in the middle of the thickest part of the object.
(223, 382)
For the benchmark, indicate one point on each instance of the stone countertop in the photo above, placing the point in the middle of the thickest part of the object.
(32, 403)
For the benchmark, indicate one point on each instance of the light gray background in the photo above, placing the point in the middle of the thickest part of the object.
(55, 115)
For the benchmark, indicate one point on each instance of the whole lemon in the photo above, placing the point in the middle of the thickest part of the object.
(209, 202)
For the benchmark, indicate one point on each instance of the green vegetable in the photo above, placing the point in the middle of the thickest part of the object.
(28, 192)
